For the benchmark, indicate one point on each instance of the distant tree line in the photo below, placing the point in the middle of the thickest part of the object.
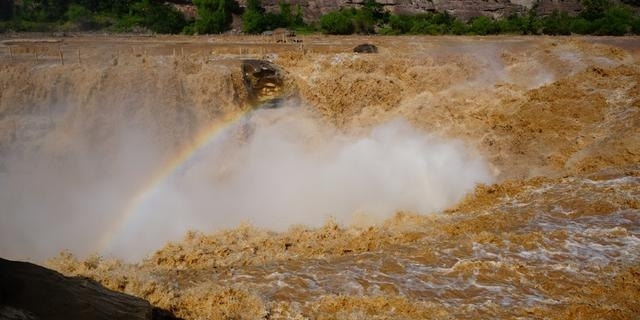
(599, 17)
(86, 15)
(214, 16)
(256, 20)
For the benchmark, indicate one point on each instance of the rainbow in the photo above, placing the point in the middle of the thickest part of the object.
(160, 176)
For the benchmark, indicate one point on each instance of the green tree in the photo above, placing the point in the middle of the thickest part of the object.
(558, 23)
(617, 21)
(288, 18)
(513, 24)
(363, 22)
(55, 10)
(297, 20)
(28, 10)
(337, 22)
(255, 20)
(483, 25)
(254, 5)
(215, 16)
(594, 9)
(367, 18)
(426, 27)
(582, 26)
(80, 16)
(458, 27)
(444, 18)
(155, 16)
(375, 11)
(350, 20)
(285, 14)
(252, 18)
(400, 24)
(116, 7)
(252, 21)
(532, 23)
(635, 26)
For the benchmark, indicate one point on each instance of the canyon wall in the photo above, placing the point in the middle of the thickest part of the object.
(464, 9)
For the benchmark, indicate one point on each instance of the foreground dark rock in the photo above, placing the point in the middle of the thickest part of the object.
(29, 291)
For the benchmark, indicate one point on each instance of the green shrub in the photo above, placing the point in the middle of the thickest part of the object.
(617, 21)
(426, 27)
(458, 27)
(582, 26)
(79, 18)
(17, 25)
(215, 16)
(594, 9)
(513, 24)
(255, 20)
(363, 23)
(154, 16)
(483, 25)
(600, 17)
(306, 29)
(558, 23)
(635, 26)
(252, 22)
(400, 24)
(337, 22)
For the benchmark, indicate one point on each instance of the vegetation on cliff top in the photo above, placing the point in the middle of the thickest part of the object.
(599, 17)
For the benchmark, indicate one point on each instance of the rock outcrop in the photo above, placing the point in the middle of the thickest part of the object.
(265, 82)
(29, 291)
(366, 48)
(463, 9)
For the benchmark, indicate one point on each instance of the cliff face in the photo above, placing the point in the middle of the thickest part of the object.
(464, 9)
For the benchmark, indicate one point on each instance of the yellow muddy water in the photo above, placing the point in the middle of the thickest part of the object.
(554, 234)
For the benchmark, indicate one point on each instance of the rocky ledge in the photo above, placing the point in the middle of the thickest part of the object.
(30, 292)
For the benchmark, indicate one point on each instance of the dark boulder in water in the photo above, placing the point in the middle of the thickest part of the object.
(29, 291)
(267, 84)
(263, 79)
(366, 48)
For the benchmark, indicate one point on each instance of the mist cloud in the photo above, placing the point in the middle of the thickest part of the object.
(274, 169)
(282, 167)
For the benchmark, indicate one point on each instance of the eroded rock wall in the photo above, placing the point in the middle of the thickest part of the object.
(464, 9)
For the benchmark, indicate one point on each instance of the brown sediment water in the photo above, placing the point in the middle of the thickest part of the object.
(530, 207)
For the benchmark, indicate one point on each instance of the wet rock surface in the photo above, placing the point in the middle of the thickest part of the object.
(262, 79)
(366, 48)
(29, 291)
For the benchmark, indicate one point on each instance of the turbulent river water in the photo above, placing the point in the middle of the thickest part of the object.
(441, 178)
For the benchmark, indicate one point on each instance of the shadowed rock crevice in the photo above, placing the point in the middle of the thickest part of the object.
(29, 291)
